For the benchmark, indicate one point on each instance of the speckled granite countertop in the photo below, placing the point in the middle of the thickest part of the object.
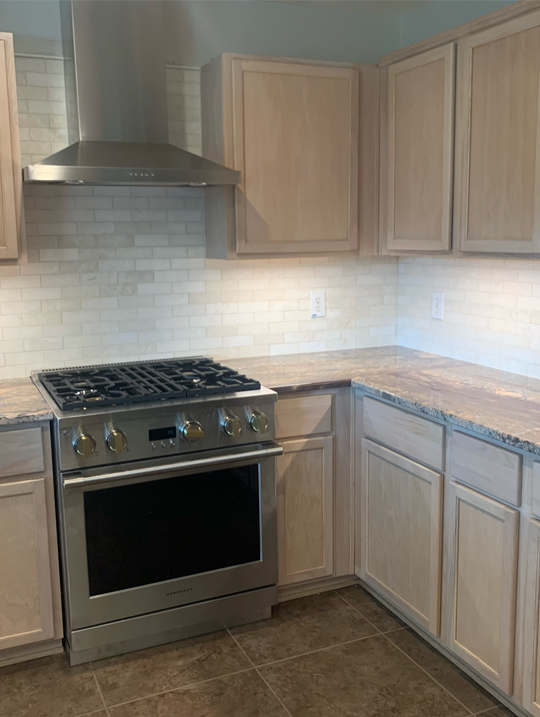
(21, 402)
(501, 405)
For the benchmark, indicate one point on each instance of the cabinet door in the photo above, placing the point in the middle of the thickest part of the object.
(10, 169)
(531, 621)
(305, 484)
(419, 167)
(296, 143)
(401, 540)
(484, 544)
(26, 610)
(497, 195)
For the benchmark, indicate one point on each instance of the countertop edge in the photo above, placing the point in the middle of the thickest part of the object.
(26, 418)
(494, 434)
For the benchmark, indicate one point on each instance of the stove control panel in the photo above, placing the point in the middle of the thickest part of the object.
(100, 439)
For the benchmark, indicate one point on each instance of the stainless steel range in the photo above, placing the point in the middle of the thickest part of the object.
(166, 501)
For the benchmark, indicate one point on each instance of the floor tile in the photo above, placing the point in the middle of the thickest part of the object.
(367, 678)
(302, 625)
(370, 608)
(48, 687)
(442, 670)
(242, 695)
(168, 667)
(497, 712)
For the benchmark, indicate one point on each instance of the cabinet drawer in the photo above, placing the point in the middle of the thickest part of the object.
(409, 434)
(304, 415)
(488, 468)
(21, 452)
(536, 490)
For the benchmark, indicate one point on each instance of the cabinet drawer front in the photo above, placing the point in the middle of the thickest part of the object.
(21, 452)
(536, 490)
(488, 468)
(416, 437)
(304, 415)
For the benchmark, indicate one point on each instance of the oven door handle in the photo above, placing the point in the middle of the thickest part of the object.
(216, 462)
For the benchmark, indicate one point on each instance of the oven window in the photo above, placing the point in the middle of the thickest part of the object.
(165, 529)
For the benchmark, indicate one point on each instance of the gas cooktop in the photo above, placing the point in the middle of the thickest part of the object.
(147, 381)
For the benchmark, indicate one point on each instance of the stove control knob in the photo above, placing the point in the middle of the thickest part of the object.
(192, 431)
(232, 426)
(258, 422)
(84, 445)
(117, 441)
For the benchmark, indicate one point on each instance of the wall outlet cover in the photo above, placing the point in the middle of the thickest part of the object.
(437, 305)
(317, 304)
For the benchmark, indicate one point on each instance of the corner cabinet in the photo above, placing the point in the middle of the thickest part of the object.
(30, 610)
(497, 204)
(292, 129)
(10, 154)
(314, 491)
(417, 142)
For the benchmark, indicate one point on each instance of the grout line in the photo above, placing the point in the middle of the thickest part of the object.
(354, 607)
(263, 678)
(179, 689)
(100, 692)
(469, 712)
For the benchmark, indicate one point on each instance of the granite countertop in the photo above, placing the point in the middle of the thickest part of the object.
(21, 402)
(497, 404)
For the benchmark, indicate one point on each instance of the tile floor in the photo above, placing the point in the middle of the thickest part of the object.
(337, 654)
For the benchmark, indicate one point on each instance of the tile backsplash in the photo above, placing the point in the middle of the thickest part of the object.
(115, 273)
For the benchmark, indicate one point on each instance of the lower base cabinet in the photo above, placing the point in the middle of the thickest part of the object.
(402, 532)
(304, 486)
(483, 563)
(26, 602)
(531, 663)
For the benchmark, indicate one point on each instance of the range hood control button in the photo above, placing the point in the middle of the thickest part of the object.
(192, 431)
(84, 445)
(117, 441)
(232, 426)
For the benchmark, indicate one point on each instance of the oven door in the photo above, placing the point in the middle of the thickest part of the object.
(161, 534)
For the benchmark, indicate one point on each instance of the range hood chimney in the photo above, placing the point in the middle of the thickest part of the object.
(116, 98)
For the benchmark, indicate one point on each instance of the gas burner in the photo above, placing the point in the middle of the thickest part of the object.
(148, 381)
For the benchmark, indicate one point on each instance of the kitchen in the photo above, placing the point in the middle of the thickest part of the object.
(269, 420)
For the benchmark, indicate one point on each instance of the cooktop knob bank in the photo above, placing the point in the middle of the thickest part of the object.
(166, 495)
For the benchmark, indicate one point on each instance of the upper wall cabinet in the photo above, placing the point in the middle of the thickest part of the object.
(292, 129)
(10, 154)
(497, 197)
(417, 138)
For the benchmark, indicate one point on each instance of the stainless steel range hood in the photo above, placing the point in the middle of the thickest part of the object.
(116, 98)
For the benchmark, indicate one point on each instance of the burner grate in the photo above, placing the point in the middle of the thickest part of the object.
(120, 384)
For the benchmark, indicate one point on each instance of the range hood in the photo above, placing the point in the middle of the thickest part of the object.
(116, 99)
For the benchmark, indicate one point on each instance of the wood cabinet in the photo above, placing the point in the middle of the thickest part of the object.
(483, 553)
(30, 610)
(10, 154)
(292, 129)
(531, 619)
(417, 137)
(304, 486)
(401, 532)
(314, 490)
(497, 195)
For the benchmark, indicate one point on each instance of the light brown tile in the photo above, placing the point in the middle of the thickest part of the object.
(299, 626)
(242, 695)
(48, 688)
(370, 608)
(497, 712)
(442, 670)
(168, 667)
(367, 678)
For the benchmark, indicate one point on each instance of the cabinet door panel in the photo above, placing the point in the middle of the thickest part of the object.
(10, 177)
(497, 140)
(531, 620)
(26, 611)
(401, 532)
(304, 477)
(296, 144)
(420, 151)
(484, 567)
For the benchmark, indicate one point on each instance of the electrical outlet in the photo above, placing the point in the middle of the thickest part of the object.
(317, 304)
(437, 305)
